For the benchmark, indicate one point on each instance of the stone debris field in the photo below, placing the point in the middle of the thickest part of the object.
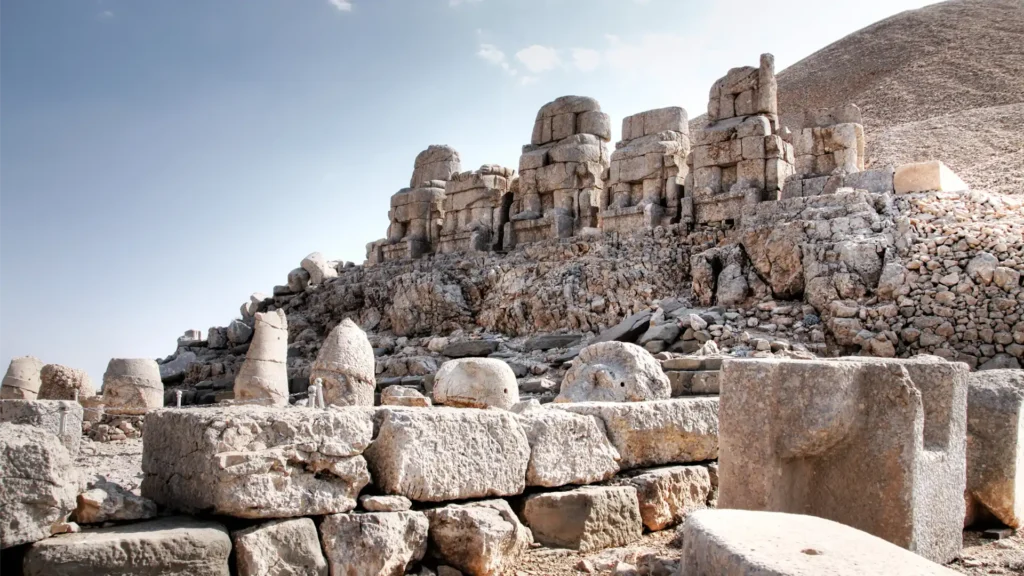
(741, 349)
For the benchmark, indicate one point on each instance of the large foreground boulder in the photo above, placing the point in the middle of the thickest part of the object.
(476, 383)
(169, 547)
(719, 542)
(255, 461)
(676, 431)
(385, 543)
(567, 448)
(345, 366)
(585, 519)
(438, 454)
(995, 446)
(614, 372)
(480, 539)
(280, 548)
(63, 418)
(38, 484)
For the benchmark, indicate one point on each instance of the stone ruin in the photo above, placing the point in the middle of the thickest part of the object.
(476, 209)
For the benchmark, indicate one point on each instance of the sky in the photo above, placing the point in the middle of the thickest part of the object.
(160, 161)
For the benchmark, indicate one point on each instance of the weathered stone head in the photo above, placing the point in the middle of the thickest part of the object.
(614, 372)
(132, 386)
(476, 383)
(22, 380)
(345, 366)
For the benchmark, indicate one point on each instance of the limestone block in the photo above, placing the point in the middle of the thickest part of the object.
(263, 376)
(61, 382)
(480, 539)
(174, 546)
(437, 162)
(298, 280)
(318, 267)
(250, 308)
(47, 415)
(280, 548)
(614, 372)
(877, 180)
(592, 458)
(132, 386)
(563, 126)
(533, 159)
(238, 332)
(668, 495)
(105, 501)
(376, 543)
(174, 371)
(438, 454)
(255, 461)
(794, 433)
(995, 444)
(38, 484)
(585, 519)
(476, 383)
(926, 176)
(345, 365)
(22, 381)
(385, 503)
(398, 395)
(673, 118)
(595, 122)
(567, 104)
(658, 432)
(771, 543)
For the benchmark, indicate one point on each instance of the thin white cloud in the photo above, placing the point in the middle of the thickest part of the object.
(586, 59)
(341, 5)
(527, 80)
(645, 56)
(493, 55)
(539, 58)
(454, 3)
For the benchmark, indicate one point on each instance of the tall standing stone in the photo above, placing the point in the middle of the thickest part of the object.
(22, 382)
(995, 446)
(132, 386)
(345, 366)
(264, 374)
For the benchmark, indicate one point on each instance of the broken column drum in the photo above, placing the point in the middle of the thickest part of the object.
(132, 386)
(263, 377)
(345, 367)
(476, 206)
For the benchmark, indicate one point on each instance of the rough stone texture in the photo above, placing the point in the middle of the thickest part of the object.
(585, 519)
(169, 546)
(476, 209)
(398, 395)
(377, 543)
(385, 503)
(480, 539)
(926, 176)
(108, 502)
(345, 364)
(668, 495)
(21, 381)
(476, 383)
(995, 446)
(614, 372)
(676, 431)
(567, 448)
(38, 484)
(318, 268)
(47, 414)
(448, 453)
(132, 386)
(280, 548)
(795, 434)
(437, 162)
(775, 544)
(263, 376)
(60, 383)
(256, 462)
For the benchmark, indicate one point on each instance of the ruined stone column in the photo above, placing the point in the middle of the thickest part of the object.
(22, 380)
(132, 386)
(346, 366)
(264, 374)
(61, 383)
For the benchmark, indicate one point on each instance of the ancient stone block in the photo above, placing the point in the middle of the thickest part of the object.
(476, 383)
(654, 433)
(995, 444)
(448, 453)
(22, 381)
(256, 462)
(398, 395)
(174, 546)
(318, 268)
(480, 539)
(105, 501)
(668, 495)
(926, 176)
(345, 367)
(592, 458)
(280, 547)
(263, 376)
(437, 162)
(614, 372)
(61, 382)
(878, 180)
(811, 430)
(62, 418)
(374, 543)
(585, 519)
(132, 386)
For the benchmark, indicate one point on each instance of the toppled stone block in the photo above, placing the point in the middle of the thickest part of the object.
(22, 381)
(476, 383)
(132, 386)
(590, 457)
(61, 382)
(398, 395)
(319, 268)
(995, 441)
(174, 371)
(62, 418)
(808, 431)
(374, 543)
(480, 539)
(169, 546)
(263, 376)
(38, 484)
(108, 502)
(614, 372)
(668, 495)
(658, 432)
(925, 177)
(743, 542)
(345, 366)
(469, 348)
(256, 462)
(585, 519)
(280, 548)
(448, 453)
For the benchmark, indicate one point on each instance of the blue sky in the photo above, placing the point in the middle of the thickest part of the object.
(160, 161)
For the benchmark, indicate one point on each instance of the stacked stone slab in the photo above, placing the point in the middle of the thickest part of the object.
(476, 206)
(417, 212)
(739, 157)
(844, 440)
(263, 377)
(22, 382)
(132, 386)
(693, 375)
(561, 172)
(647, 172)
(995, 447)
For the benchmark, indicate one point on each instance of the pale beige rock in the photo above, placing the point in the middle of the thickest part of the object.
(298, 280)
(21, 381)
(399, 395)
(585, 519)
(108, 502)
(590, 456)
(614, 372)
(437, 162)
(479, 539)
(926, 176)
(345, 365)
(376, 543)
(38, 484)
(62, 418)
(995, 444)
(668, 495)
(658, 432)
(439, 454)
(256, 462)
(773, 544)
(60, 383)
(385, 503)
(476, 383)
(132, 386)
(263, 377)
(280, 548)
(319, 268)
(174, 546)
